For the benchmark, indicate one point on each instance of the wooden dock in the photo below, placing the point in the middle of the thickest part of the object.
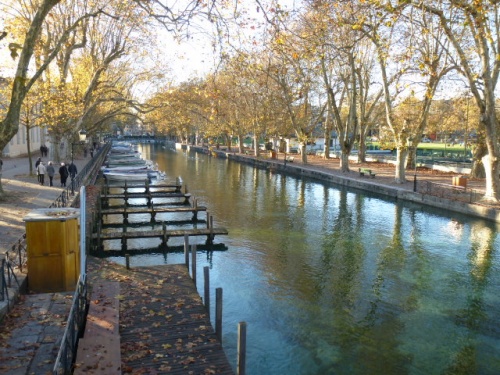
(148, 196)
(146, 188)
(163, 234)
(164, 326)
(151, 210)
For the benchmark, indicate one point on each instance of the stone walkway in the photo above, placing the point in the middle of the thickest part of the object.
(31, 333)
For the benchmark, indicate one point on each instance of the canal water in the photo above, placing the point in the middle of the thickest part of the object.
(334, 281)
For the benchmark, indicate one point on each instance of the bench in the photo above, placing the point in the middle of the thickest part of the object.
(366, 171)
(289, 159)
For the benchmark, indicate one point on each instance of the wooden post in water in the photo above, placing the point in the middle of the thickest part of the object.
(124, 239)
(164, 228)
(193, 263)
(242, 348)
(195, 208)
(206, 273)
(186, 250)
(127, 261)
(211, 236)
(218, 313)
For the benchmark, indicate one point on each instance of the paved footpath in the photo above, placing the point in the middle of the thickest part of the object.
(31, 334)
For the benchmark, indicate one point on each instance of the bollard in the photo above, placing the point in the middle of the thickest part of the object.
(193, 263)
(206, 273)
(218, 313)
(242, 348)
(186, 250)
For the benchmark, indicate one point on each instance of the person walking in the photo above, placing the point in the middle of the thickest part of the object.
(37, 163)
(51, 172)
(72, 170)
(41, 172)
(63, 173)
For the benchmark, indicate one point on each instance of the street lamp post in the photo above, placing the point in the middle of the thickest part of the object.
(82, 134)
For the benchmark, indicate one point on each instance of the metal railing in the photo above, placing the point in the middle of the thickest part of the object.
(456, 193)
(16, 258)
(74, 329)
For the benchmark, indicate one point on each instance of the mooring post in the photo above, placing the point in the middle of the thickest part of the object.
(186, 250)
(195, 209)
(218, 313)
(164, 229)
(153, 214)
(193, 263)
(124, 238)
(206, 274)
(211, 235)
(242, 348)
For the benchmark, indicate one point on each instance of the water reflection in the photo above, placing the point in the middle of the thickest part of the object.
(335, 282)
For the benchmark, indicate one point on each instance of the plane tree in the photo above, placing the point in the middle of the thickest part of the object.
(473, 33)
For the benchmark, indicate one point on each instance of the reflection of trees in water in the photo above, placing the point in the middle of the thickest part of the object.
(470, 359)
(338, 284)
(380, 349)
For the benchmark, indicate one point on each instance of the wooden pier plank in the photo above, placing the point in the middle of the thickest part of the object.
(164, 326)
(145, 195)
(161, 233)
(146, 210)
(156, 187)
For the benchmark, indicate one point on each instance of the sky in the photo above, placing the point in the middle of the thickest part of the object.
(193, 57)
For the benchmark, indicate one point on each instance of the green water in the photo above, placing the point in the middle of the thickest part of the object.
(332, 281)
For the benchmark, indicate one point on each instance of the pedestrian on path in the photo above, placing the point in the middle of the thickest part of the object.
(72, 170)
(51, 172)
(41, 172)
(63, 173)
(38, 161)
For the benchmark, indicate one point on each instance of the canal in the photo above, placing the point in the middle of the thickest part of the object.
(332, 281)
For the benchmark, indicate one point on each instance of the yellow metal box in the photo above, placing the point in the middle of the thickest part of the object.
(53, 249)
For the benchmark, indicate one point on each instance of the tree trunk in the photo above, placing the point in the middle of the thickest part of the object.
(478, 153)
(411, 162)
(240, 144)
(492, 170)
(303, 152)
(344, 161)
(402, 153)
(256, 144)
(362, 150)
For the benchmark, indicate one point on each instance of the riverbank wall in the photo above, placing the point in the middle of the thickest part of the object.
(372, 186)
